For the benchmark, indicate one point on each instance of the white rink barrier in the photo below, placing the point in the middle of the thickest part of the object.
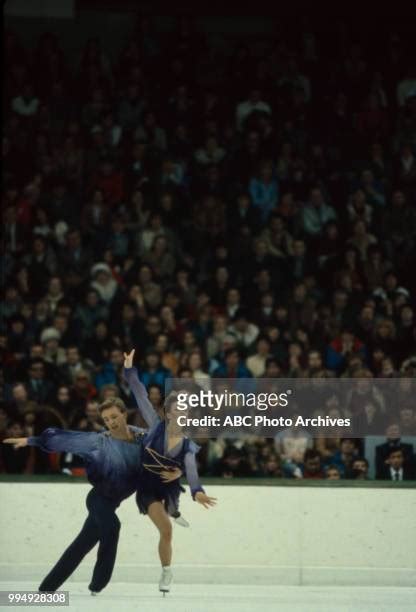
(255, 535)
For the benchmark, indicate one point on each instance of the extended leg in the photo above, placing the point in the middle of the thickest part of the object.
(72, 557)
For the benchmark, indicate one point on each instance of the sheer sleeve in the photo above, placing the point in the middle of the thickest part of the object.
(54, 440)
(191, 470)
(140, 395)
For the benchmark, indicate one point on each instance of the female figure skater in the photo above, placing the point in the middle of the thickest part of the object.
(113, 463)
(164, 449)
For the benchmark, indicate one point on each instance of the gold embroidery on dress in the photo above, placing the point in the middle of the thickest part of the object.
(155, 468)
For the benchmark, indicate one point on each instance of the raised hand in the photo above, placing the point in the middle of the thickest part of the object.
(128, 359)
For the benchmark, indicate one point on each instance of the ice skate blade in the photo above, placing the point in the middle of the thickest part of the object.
(181, 521)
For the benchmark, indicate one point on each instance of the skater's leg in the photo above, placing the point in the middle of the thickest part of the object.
(72, 557)
(160, 518)
(108, 525)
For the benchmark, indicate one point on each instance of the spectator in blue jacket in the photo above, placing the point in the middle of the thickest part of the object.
(264, 190)
(154, 373)
(233, 366)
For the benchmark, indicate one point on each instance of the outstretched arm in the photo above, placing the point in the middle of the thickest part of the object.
(54, 440)
(192, 477)
(139, 391)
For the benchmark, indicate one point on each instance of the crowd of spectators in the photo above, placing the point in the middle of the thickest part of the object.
(226, 213)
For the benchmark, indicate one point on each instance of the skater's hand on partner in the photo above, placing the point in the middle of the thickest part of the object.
(17, 442)
(128, 359)
(205, 500)
(170, 475)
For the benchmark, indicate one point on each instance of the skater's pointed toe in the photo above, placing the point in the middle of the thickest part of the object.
(179, 520)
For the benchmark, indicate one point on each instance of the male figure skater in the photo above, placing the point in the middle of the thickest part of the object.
(113, 462)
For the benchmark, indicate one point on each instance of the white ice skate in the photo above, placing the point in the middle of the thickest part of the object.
(165, 580)
(179, 520)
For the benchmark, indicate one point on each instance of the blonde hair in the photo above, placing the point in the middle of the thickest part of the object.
(112, 402)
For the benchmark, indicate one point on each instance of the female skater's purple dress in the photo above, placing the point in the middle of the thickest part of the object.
(155, 455)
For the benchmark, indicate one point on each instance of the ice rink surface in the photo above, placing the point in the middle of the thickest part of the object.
(126, 597)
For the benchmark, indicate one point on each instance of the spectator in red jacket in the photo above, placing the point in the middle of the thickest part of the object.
(110, 181)
(341, 348)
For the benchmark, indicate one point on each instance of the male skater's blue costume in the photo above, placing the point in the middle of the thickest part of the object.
(113, 468)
